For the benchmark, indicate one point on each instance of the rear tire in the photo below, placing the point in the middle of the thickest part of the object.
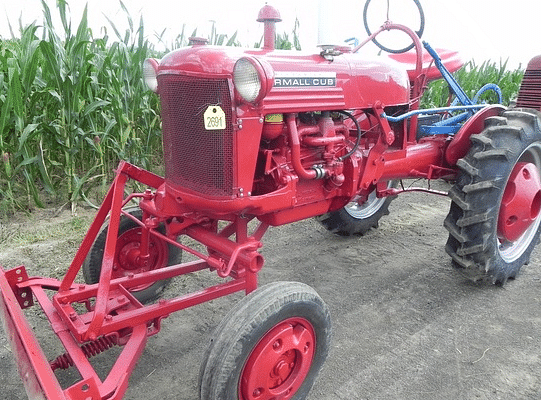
(358, 219)
(270, 346)
(495, 216)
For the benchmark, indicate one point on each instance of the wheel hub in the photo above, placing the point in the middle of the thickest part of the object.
(280, 362)
(129, 260)
(521, 202)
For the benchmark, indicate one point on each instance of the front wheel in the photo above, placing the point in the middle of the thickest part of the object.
(495, 212)
(126, 260)
(270, 346)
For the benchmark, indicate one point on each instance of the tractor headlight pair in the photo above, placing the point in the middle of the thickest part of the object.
(252, 78)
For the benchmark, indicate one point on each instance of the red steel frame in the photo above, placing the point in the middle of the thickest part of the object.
(113, 315)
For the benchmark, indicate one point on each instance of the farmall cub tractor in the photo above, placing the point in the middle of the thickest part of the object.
(259, 138)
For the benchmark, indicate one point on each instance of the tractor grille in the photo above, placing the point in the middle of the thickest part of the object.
(529, 94)
(196, 158)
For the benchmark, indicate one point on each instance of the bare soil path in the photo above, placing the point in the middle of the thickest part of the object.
(406, 325)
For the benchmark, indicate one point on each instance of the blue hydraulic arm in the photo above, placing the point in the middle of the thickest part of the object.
(451, 81)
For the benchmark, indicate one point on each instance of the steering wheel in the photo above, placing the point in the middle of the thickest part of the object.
(419, 32)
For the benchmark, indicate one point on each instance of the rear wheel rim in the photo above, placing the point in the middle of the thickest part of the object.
(367, 209)
(519, 216)
(279, 363)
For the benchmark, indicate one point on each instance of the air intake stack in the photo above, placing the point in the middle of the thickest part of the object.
(269, 16)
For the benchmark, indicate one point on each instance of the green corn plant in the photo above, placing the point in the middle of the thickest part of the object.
(134, 108)
(67, 71)
(219, 39)
(181, 40)
(6, 99)
(20, 144)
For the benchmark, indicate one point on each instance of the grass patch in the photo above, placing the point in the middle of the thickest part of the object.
(18, 235)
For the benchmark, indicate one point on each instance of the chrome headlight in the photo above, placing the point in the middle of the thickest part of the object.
(251, 80)
(150, 73)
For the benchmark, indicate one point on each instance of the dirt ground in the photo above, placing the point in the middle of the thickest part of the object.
(406, 325)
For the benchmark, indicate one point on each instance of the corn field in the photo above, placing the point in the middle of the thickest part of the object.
(72, 105)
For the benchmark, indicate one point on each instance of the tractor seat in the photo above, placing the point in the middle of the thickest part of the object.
(450, 59)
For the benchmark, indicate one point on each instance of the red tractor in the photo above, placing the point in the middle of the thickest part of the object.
(264, 137)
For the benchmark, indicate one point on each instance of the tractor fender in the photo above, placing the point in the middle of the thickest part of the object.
(460, 144)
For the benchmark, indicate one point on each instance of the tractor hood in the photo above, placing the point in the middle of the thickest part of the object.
(295, 81)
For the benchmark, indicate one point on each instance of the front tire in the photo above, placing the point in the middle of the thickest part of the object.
(270, 346)
(495, 216)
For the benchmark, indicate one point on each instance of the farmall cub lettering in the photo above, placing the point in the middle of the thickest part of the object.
(299, 79)
(264, 137)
